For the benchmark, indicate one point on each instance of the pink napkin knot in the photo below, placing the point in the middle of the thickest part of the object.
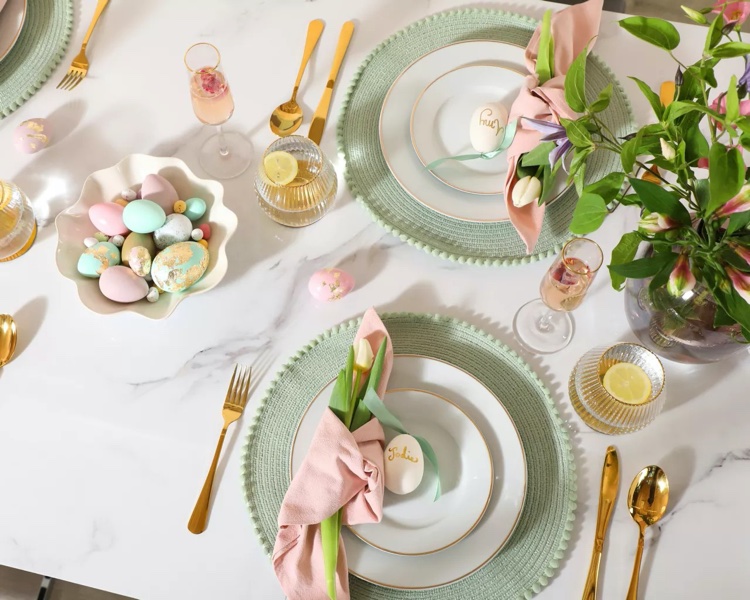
(573, 29)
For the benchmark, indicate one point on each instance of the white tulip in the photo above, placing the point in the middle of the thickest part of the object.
(667, 151)
(527, 190)
(363, 355)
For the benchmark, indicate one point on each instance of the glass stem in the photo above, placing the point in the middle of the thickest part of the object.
(223, 148)
(544, 324)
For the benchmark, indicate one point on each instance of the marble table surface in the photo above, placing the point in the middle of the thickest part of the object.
(108, 424)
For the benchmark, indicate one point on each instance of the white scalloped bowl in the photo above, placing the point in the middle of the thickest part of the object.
(73, 225)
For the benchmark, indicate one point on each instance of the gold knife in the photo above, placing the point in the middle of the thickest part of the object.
(607, 497)
(321, 113)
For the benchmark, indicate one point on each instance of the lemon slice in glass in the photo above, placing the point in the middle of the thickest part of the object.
(281, 167)
(628, 383)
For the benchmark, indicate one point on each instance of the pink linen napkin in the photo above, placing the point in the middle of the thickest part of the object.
(572, 29)
(341, 469)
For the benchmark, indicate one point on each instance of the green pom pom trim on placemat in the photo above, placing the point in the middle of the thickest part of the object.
(39, 49)
(533, 553)
(372, 183)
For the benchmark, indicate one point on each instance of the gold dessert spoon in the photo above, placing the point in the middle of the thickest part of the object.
(8, 339)
(286, 118)
(647, 502)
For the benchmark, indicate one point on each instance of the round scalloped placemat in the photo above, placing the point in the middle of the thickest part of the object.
(372, 183)
(533, 553)
(39, 49)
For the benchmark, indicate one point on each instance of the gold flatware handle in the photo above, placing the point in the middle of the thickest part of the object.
(314, 31)
(100, 6)
(199, 518)
(592, 581)
(321, 113)
(633, 589)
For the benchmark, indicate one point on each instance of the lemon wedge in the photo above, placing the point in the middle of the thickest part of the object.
(628, 383)
(281, 167)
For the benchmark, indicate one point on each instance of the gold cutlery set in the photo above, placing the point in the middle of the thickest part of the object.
(287, 117)
(647, 502)
(79, 68)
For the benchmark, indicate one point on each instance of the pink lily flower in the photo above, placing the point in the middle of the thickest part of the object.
(656, 223)
(741, 283)
(741, 251)
(681, 280)
(734, 12)
(739, 204)
(720, 104)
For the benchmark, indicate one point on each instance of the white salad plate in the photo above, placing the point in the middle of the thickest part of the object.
(507, 457)
(12, 17)
(440, 123)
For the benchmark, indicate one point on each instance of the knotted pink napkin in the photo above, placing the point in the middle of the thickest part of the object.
(341, 469)
(572, 29)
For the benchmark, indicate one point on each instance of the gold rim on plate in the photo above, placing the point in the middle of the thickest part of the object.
(525, 479)
(9, 47)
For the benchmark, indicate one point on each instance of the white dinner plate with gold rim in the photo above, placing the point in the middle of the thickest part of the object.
(508, 492)
(12, 18)
(416, 524)
(395, 135)
(441, 120)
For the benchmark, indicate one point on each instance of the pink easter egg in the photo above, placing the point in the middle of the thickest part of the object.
(328, 285)
(31, 136)
(107, 218)
(159, 190)
(120, 284)
(206, 229)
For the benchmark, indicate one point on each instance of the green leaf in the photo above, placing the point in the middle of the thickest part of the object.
(362, 416)
(575, 83)
(629, 152)
(644, 267)
(589, 214)
(738, 221)
(683, 107)
(726, 174)
(602, 102)
(656, 199)
(545, 62)
(731, 50)
(577, 133)
(696, 145)
(547, 178)
(733, 101)
(744, 124)
(539, 155)
(694, 15)
(608, 187)
(658, 32)
(377, 366)
(730, 257)
(651, 96)
(339, 401)
(714, 33)
(722, 319)
(330, 530)
(702, 193)
(623, 253)
(580, 178)
(691, 87)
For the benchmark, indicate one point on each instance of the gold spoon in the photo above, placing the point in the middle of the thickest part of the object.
(286, 118)
(8, 339)
(647, 502)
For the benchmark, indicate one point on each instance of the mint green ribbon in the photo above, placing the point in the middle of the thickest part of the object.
(510, 133)
(388, 419)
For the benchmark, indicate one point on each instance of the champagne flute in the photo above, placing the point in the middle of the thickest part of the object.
(225, 154)
(544, 325)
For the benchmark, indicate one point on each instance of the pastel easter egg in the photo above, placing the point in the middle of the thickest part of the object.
(90, 241)
(177, 228)
(328, 285)
(127, 194)
(98, 258)
(107, 217)
(403, 464)
(134, 240)
(153, 294)
(31, 136)
(143, 216)
(159, 190)
(120, 284)
(487, 127)
(195, 208)
(139, 260)
(206, 229)
(179, 266)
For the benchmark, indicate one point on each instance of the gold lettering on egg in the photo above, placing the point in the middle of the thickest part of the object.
(394, 454)
(484, 119)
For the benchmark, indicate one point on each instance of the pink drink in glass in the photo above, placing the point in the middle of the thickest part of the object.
(212, 99)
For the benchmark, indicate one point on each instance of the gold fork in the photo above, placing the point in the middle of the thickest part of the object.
(79, 68)
(234, 404)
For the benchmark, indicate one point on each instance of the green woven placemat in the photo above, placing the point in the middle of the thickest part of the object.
(372, 183)
(533, 553)
(39, 49)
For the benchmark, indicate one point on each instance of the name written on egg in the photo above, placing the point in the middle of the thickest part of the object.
(486, 120)
(394, 454)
